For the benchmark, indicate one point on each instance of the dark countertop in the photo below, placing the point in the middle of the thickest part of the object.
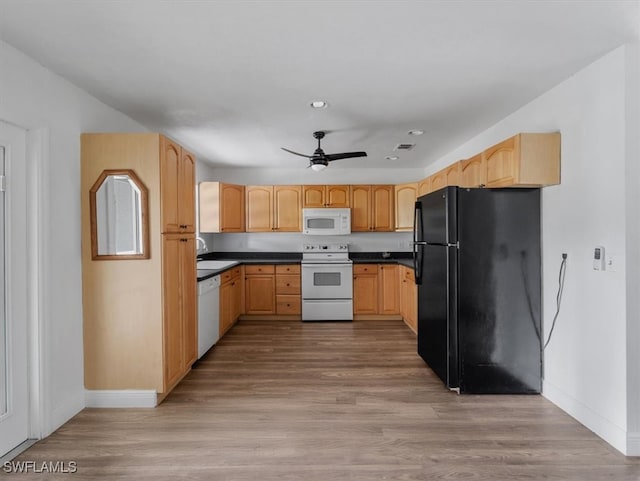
(401, 258)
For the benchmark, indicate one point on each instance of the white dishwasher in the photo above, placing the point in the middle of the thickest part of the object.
(208, 314)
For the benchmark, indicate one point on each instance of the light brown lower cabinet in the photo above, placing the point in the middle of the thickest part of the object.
(409, 298)
(273, 290)
(376, 289)
(231, 290)
(260, 289)
(365, 289)
(288, 290)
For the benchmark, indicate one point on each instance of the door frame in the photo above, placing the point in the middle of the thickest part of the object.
(38, 224)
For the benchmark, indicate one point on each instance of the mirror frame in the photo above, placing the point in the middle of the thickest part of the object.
(144, 207)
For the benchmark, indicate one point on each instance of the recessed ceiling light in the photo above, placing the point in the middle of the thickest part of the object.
(392, 157)
(319, 104)
(416, 132)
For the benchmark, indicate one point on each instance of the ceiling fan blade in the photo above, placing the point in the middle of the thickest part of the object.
(345, 155)
(296, 153)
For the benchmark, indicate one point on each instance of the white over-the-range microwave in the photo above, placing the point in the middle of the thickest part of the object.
(328, 221)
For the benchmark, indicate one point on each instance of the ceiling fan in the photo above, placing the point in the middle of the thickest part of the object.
(319, 160)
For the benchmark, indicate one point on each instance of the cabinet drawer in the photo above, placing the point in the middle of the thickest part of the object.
(288, 269)
(365, 268)
(259, 269)
(227, 276)
(288, 305)
(287, 284)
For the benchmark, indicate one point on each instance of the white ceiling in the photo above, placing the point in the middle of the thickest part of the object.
(232, 81)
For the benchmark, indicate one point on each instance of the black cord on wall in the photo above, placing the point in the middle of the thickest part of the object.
(561, 274)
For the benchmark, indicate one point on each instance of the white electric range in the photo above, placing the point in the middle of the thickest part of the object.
(327, 283)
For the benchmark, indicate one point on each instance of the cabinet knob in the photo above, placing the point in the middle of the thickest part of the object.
(288, 284)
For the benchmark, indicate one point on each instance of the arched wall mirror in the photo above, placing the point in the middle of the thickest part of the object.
(119, 219)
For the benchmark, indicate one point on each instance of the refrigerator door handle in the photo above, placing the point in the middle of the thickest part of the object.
(418, 243)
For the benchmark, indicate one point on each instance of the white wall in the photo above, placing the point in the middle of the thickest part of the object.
(586, 360)
(633, 253)
(34, 98)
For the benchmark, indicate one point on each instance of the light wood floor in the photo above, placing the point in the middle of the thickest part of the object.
(292, 401)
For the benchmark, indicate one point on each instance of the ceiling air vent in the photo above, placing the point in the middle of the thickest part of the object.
(404, 146)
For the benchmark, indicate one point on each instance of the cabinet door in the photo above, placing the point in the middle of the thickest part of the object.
(337, 196)
(260, 294)
(453, 174)
(382, 202)
(188, 300)
(389, 289)
(172, 332)
(227, 298)
(170, 172)
(187, 192)
(438, 180)
(231, 208)
(424, 186)
(405, 203)
(236, 299)
(259, 202)
(473, 172)
(501, 164)
(404, 292)
(287, 206)
(408, 298)
(412, 307)
(365, 293)
(360, 208)
(313, 196)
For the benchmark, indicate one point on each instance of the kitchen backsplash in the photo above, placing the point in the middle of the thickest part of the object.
(293, 241)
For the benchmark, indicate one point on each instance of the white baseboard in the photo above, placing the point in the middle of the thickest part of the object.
(633, 444)
(611, 433)
(121, 399)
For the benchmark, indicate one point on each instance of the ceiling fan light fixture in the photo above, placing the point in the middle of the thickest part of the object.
(318, 167)
(319, 104)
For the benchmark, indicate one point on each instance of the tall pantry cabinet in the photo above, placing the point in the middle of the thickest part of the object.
(140, 315)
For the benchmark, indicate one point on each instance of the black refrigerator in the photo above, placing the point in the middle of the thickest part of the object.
(478, 270)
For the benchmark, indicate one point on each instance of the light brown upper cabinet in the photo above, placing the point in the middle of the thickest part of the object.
(272, 208)
(259, 208)
(405, 201)
(315, 196)
(473, 172)
(287, 208)
(177, 181)
(525, 160)
(372, 208)
(221, 207)
(446, 177)
(424, 186)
